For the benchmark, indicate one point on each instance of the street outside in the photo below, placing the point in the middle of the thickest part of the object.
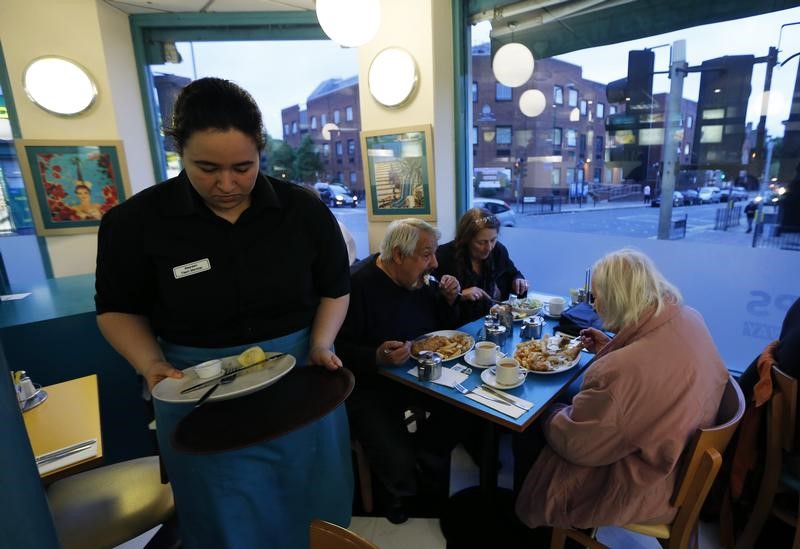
(632, 219)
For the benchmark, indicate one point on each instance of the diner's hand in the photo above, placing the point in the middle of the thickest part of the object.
(449, 286)
(156, 371)
(593, 339)
(393, 352)
(519, 286)
(474, 294)
(324, 357)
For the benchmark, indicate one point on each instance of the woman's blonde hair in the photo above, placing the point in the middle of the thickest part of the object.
(628, 283)
(404, 234)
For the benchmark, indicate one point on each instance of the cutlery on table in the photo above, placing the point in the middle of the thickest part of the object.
(227, 373)
(464, 391)
(501, 396)
(64, 452)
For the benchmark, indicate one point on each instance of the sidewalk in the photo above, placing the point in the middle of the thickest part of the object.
(586, 206)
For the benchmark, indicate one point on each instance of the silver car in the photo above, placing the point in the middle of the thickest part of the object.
(499, 209)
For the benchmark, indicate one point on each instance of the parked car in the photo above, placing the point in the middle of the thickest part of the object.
(499, 209)
(690, 197)
(335, 195)
(677, 200)
(734, 194)
(707, 195)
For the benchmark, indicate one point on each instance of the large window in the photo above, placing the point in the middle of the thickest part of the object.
(503, 135)
(502, 93)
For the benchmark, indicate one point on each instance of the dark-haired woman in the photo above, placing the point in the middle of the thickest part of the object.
(205, 265)
(480, 263)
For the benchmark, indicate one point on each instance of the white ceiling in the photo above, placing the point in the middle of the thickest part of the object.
(199, 6)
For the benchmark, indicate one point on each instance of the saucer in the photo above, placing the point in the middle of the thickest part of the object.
(546, 312)
(488, 377)
(469, 358)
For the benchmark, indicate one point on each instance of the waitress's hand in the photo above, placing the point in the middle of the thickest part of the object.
(156, 371)
(324, 357)
(593, 339)
(393, 353)
(474, 294)
(519, 286)
(449, 286)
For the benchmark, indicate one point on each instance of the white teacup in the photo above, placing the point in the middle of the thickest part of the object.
(507, 371)
(555, 306)
(485, 353)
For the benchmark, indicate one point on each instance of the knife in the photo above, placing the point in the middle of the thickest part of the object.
(64, 452)
(501, 396)
(210, 382)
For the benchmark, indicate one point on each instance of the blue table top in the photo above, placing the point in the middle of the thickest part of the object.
(539, 389)
(50, 299)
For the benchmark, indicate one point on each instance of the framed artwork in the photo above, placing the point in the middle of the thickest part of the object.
(72, 184)
(398, 173)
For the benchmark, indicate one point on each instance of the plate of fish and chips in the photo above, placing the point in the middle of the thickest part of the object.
(450, 344)
(549, 355)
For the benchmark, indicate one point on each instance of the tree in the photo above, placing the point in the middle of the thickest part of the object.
(306, 163)
(281, 159)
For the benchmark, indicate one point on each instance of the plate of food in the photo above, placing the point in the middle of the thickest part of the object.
(448, 343)
(549, 355)
(524, 307)
(258, 370)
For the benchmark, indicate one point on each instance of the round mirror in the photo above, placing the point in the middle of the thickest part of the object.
(392, 77)
(59, 86)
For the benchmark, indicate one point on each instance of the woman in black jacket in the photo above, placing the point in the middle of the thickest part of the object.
(480, 263)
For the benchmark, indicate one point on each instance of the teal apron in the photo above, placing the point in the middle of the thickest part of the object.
(264, 495)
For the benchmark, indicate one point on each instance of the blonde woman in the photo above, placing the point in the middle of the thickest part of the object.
(611, 456)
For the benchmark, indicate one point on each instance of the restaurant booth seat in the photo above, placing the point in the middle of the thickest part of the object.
(702, 461)
(325, 535)
(777, 477)
(110, 505)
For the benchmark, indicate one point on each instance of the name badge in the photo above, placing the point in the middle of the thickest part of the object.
(192, 268)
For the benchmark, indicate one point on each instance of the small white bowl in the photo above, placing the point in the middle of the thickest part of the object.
(208, 369)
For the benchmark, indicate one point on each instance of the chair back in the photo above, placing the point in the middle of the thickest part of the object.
(783, 407)
(325, 535)
(703, 461)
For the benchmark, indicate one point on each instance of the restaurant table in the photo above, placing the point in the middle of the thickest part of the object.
(69, 415)
(298, 398)
(458, 520)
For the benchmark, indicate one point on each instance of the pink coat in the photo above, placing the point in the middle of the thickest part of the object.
(612, 456)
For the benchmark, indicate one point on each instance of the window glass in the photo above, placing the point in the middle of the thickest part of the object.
(313, 122)
(339, 151)
(351, 147)
(474, 92)
(337, 116)
(323, 119)
(348, 114)
(503, 135)
(601, 159)
(502, 93)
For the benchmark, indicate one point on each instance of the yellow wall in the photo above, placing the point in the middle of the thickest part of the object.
(424, 29)
(98, 37)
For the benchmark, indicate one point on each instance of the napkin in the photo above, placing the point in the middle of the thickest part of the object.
(448, 378)
(478, 394)
(86, 453)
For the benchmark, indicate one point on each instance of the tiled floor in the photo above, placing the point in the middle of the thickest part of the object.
(420, 533)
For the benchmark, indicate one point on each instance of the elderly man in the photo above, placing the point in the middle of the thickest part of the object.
(390, 305)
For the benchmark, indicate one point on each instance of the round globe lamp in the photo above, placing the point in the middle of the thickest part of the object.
(393, 77)
(532, 103)
(513, 65)
(59, 86)
(349, 23)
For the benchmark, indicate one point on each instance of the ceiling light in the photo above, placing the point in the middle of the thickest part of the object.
(513, 65)
(327, 129)
(59, 86)
(532, 103)
(349, 23)
(392, 77)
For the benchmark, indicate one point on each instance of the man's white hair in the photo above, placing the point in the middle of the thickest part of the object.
(403, 234)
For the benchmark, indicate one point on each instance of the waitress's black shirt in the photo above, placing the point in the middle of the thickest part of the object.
(205, 282)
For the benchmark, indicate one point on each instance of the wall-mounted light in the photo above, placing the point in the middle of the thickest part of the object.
(513, 65)
(59, 86)
(532, 103)
(349, 23)
(393, 77)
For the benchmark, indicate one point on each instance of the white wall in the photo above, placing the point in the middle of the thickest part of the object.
(98, 37)
(424, 29)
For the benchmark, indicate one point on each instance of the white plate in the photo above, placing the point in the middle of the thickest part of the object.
(248, 381)
(469, 358)
(489, 378)
(546, 313)
(449, 333)
(563, 368)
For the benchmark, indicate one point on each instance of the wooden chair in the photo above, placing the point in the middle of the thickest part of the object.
(110, 505)
(703, 458)
(325, 535)
(781, 420)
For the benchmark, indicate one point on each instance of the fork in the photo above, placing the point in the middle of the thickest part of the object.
(464, 391)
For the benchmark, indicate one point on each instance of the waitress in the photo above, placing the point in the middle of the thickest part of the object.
(211, 262)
